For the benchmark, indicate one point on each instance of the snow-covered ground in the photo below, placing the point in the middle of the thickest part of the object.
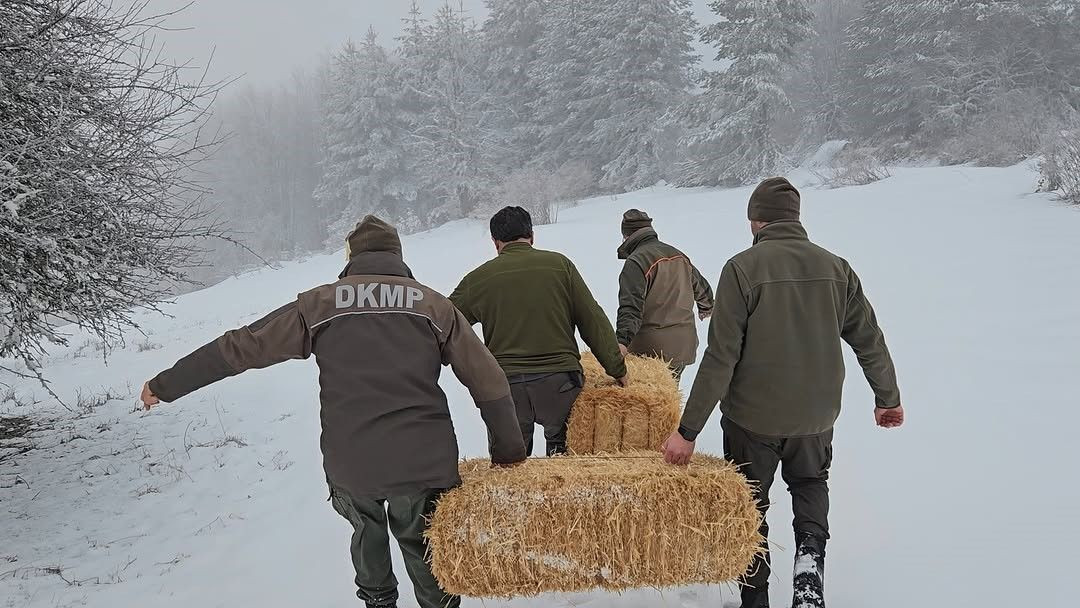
(219, 499)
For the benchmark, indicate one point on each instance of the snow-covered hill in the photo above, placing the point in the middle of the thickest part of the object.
(219, 499)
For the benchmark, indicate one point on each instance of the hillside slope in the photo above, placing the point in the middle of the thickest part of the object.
(219, 499)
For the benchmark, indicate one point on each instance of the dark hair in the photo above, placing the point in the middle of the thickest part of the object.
(511, 224)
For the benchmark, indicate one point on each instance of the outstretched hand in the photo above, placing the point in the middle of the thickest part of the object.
(149, 399)
(891, 418)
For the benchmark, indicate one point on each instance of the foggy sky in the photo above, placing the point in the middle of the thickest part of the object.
(263, 41)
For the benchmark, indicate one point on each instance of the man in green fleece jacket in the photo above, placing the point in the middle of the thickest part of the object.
(775, 365)
(529, 302)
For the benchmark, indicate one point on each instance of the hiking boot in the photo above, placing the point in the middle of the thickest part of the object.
(809, 577)
(755, 597)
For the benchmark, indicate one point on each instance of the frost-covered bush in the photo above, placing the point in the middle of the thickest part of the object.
(539, 191)
(1009, 132)
(1060, 166)
(853, 167)
(97, 138)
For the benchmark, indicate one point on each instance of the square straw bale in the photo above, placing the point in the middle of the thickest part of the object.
(575, 523)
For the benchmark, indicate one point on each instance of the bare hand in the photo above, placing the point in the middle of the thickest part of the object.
(704, 314)
(149, 399)
(623, 382)
(677, 450)
(891, 418)
(623, 350)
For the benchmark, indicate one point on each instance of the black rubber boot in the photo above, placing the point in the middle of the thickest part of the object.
(809, 578)
(394, 605)
(757, 597)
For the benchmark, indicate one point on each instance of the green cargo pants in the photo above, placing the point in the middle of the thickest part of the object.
(804, 464)
(406, 517)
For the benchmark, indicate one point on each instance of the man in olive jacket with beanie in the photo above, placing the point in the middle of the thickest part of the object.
(380, 339)
(775, 365)
(659, 290)
(529, 302)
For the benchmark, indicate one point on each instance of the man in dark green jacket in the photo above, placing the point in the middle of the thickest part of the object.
(529, 302)
(659, 290)
(775, 365)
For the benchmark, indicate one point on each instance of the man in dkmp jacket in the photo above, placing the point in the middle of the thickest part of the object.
(380, 339)
(529, 302)
(659, 290)
(775, 365)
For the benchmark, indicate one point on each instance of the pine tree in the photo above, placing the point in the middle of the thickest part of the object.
(607, 72)
(511, 36)
(641, 64)
(367, 163)
(563, 64)
(454, 128)
(930, 70)
(731, 139)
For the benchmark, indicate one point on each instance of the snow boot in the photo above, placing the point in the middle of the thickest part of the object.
(755, 597)
(809, 578)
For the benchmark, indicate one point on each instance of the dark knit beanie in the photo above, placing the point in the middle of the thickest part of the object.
(773, 200)
(372, 234)
(634, 220)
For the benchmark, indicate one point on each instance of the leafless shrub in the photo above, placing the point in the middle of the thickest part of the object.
(99, 140)
(147, 345)
(87, 403)
(541, 192)
(1060, 166)
(146, 489)
(853, 167)
(1008, 132)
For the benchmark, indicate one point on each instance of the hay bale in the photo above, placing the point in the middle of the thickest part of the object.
(607, 418)
(575, 523)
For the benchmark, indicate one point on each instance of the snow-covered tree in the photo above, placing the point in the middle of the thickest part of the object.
(368, 162)
(730, 138)
(640, 70)
(930, 69)
(817, 83)
(562, 66)
(455, 126)
(98, 138)
(607, 73)
(511, 36)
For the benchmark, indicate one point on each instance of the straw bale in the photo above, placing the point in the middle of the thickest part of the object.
(575, 523)
(607, 418)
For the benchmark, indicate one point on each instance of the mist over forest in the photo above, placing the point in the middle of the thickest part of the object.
(539, 103)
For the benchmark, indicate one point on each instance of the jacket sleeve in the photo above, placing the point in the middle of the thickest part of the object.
(703, 293)
(594, 326)
(476, 368)
(862, 333)
(632, 289)
(279, 336)
(726, 333)
(461, 300)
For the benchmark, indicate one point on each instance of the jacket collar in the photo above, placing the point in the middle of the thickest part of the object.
(782, 230)
(641, 236)
(378, 263)
(515, 246)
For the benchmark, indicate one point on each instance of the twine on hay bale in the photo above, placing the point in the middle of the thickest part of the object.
(575, 523)
(607, 418)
